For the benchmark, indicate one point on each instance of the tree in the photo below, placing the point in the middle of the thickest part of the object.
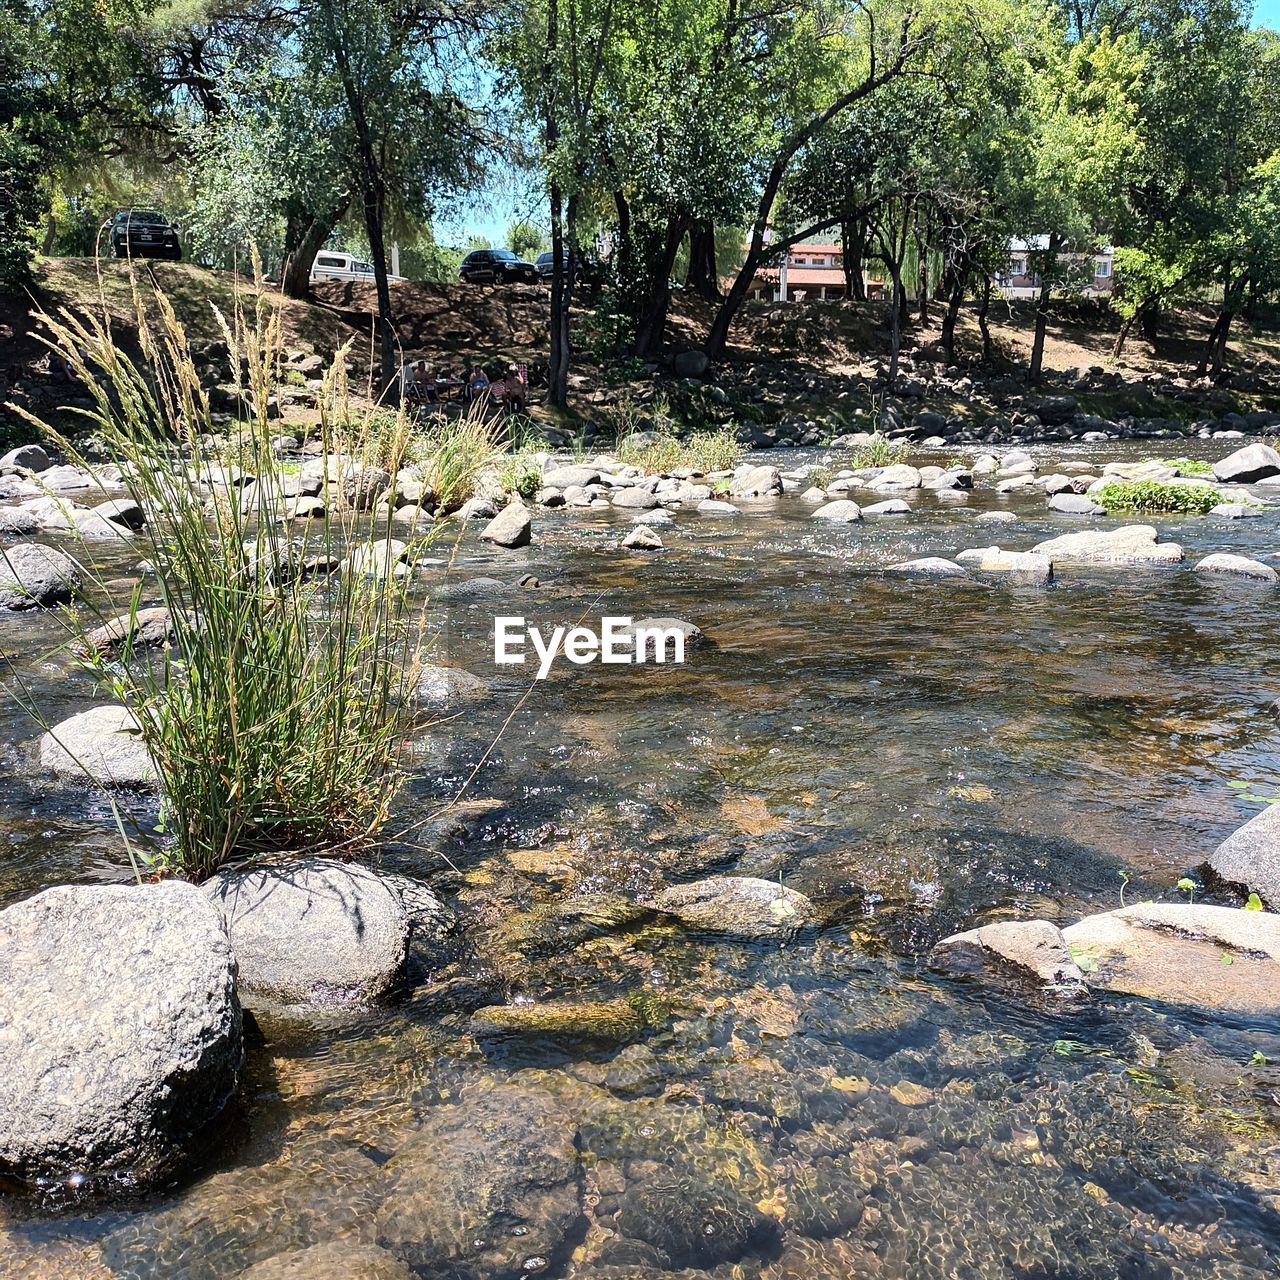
(525, 239)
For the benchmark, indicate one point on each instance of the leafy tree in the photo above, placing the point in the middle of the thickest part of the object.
(525, 239)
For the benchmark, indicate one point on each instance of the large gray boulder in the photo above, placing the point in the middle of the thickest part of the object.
(489, 1186)
(511, 527)
(756, 482)
(841, 511)
(120, 1031)
(1214, 957)
(1250, 857)
(1032, 950)
(1253, 462)
(313, 930)
(568, 477)
(33, 576)
(1130, 544)
(635, 498)
(26, 457)
(103, 745)
(737, 906)
(17, 523)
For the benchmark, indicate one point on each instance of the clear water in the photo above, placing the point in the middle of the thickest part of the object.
(916, 756)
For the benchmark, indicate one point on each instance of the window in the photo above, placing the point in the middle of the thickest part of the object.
(1102, 269)
(798, 261)
(1017, 266)
(330, 262)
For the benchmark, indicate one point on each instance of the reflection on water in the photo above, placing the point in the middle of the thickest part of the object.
(915, 756)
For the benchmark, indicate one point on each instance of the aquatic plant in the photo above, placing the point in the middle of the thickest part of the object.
(1188, 886)
(1150, 497)
(276, 718)
(878, 451)
(1186, 466)
(702, 452)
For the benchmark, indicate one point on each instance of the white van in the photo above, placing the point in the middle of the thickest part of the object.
(342, 266)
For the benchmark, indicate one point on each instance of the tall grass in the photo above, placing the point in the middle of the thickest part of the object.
(879, 451)
(277, 719)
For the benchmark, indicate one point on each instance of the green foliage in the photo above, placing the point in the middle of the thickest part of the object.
(526, 239)
(278, 717)
(1247, 792)
(1147, 496)
(1187, 466)
(520, 473)
(664, 451)
(879, 451)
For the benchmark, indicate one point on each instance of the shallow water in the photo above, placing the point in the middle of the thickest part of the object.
(916, 756)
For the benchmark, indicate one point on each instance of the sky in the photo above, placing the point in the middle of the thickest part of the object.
(1266, 13)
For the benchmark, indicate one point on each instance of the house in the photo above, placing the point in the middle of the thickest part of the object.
(1092, 274)
(813, 271)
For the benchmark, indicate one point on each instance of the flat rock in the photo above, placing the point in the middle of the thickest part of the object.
(841, 511)
(1235, 511)
(103, 744)
(313, 930)
(146, 629)
(891, 507)
(1075, 504)
(511, 527)
(898, 476)
(737, 906)
(1017, 566)
(1238, 566)
(586, 1022)
(1250, 857)
(1213, 957)
(443, 686)
(1253, 462)
(568, 477)
(1131, 544)
(33, 576)
(996, 517)
(928, 567)
(1026, 949)
(634, 498)
(120, 1031)
(714, 507)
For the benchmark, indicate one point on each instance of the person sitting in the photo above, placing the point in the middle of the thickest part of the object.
(478, 385)
(419, 384)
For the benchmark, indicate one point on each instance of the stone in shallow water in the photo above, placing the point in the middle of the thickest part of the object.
(146, 629)
(334, 1261)
(642, 539)
(120, 1032)
(511, 527)
(1237, 566)
(841, 511)
(488, 1188)
(1253, 462)
(590, 1021)
(892, 507)
(33, 576)
(103, 744)
(313, 930)
(1250, 856)
(1075, 504)
(737, 906)
(1215, 957)
(1131, 544)
(1030, 949)
(441, 686)
(928, 567)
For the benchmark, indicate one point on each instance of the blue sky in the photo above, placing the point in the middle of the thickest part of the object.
(1266, 13)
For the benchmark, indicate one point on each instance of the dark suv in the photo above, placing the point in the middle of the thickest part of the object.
(143, 233)
(591, 272)
(496, 266)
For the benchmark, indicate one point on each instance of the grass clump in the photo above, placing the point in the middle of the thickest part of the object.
(878, 451)
(702, 452)
(519, 472)
(278, 717)
(1151, 498)
(1187, 466)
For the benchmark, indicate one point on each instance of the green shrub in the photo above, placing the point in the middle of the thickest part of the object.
(1186, 466)
(703, 451)
(879, 451)
(519, 473)
(278, 717)
(1152, 498)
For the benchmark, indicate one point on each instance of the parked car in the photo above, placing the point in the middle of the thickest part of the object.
(330, 265)
(496, 266)
(143, 233)
(591, 271)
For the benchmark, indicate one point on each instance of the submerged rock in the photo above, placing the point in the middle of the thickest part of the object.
(661, 632)
(737, 906)
(1027, 949)
(337, 1260)
(33, 576)
(1215, 957)
(928, 567)
(313, 930)
(441, 686)
(103, 744)
(598, 1022)
(489, 1187)
(1131, 544)
(1250, 857)
(120, 1032)
(696, 1221)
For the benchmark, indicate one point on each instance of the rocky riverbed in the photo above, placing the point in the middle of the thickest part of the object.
(660, 995)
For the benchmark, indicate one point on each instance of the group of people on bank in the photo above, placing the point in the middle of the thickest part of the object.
(508, 391)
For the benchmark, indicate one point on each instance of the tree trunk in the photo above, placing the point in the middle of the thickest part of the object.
(1123, 336)
(954, 301)
(50, 235)
(984, 309)
(1150, 322)
(653, 320)
(374, 210)
(704, 275)
(922, 277)
(558, 376)
(853, 239)
(1213, 355)
(295, 275)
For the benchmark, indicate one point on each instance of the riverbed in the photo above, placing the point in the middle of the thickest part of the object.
(915, 755)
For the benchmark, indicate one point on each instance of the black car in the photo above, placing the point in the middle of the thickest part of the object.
(143, 233)
(496, 266)
(591, 272)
